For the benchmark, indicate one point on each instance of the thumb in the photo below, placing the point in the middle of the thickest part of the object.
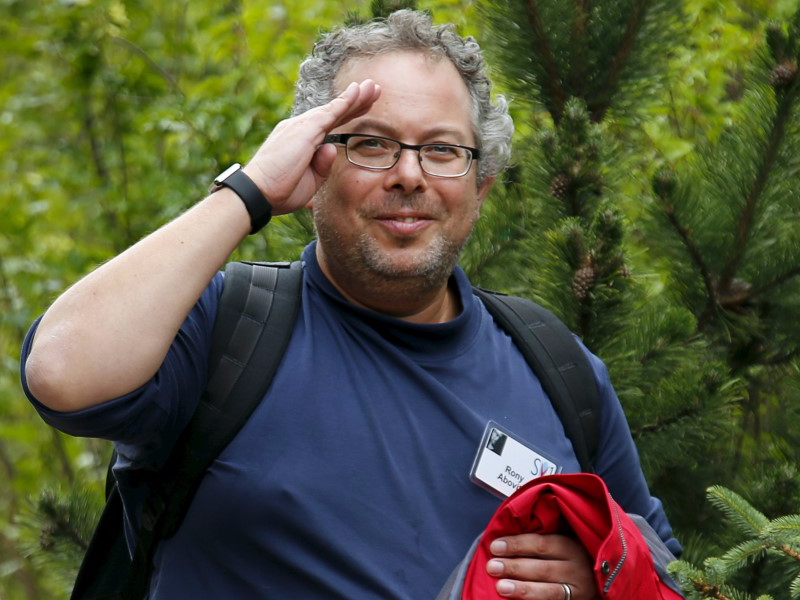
(323, 160)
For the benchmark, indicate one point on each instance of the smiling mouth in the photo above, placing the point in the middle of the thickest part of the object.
(406, 220)
(404, 225)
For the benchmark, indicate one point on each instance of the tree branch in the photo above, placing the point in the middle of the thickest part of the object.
(710, 591)
(789, 551)
(689, 412)
(63, 458)
(783, 278)
(617, 66)
(697, 259)
(555, 96)
(8, 464)
(578, 47)
(756, 189)
(90, 127)
(139, 51)
(62, 526)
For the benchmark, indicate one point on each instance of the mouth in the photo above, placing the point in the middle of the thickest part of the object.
(404, 225)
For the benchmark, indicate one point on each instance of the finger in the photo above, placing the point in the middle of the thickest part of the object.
(527, 544)
(530, 590)
(523, 573)
(535, 545)
(532, 569)
(354, 101)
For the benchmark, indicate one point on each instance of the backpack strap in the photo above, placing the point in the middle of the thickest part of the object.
(255, 319)
(106, 560)
(559, 362)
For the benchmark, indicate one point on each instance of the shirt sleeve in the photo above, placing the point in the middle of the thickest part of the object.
(147, 419)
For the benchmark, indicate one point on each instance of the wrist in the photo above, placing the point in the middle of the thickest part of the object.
(256, 203)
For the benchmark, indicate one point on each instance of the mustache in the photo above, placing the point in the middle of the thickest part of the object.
(394, 201)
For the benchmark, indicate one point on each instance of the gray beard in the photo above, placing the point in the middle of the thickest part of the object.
(375, 270)
(432, 270)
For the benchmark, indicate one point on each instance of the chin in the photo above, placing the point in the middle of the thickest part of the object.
(433, 263)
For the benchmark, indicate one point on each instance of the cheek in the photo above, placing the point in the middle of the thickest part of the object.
(348, 186)
(463, 200)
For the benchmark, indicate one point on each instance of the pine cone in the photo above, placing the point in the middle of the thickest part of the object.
(783, 75)
(46, 541)
(559, 186)
(664, 182)
(736, 296)
(582, 281)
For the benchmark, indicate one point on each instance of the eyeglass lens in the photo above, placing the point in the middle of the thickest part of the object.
(442, 160)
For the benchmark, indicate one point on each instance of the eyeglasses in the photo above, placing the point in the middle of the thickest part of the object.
(378, 152)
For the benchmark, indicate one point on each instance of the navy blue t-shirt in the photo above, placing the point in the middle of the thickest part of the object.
(351, 478)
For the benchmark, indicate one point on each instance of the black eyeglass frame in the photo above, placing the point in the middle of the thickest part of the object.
(341, 138)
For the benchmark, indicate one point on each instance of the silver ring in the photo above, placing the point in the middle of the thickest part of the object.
(567, 591)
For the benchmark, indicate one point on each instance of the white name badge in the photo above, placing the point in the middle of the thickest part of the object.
(503, 462)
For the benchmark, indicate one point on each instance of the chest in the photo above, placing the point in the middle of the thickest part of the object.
(358, 459)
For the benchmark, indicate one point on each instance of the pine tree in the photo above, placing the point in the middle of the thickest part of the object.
(728, 221)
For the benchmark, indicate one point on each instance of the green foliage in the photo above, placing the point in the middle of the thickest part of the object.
(738, 512)
(609, 53)
(763, 544)
(731, 217)
(653, 204)
(576, 257)
(727, 224)
(64, 523)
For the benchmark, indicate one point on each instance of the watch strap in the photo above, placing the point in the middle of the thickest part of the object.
(257, 205)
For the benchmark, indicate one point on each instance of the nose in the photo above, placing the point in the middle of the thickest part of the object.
(407, 174)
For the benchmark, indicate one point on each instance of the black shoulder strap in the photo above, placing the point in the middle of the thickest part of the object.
(560, 364)
(255, 319)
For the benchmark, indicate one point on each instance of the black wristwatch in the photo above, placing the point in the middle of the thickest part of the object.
(257, 205)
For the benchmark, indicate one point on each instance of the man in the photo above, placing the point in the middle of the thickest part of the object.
(352, 477)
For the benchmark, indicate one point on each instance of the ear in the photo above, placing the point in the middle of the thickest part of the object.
(483, 189)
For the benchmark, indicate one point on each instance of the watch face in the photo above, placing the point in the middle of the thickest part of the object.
(227, 173)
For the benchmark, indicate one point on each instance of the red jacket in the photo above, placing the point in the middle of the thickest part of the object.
(576, 504)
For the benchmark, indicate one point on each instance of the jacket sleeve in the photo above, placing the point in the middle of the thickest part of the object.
(658, 550)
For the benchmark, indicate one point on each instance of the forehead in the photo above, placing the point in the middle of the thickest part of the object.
(418, 91)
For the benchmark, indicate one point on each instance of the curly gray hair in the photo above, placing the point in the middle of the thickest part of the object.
(413, 30)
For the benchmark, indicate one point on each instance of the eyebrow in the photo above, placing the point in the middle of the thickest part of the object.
(382, 128)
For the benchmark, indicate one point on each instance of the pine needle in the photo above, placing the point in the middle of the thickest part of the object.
(737, 510)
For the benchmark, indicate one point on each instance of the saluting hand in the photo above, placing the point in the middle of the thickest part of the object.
(292, 163)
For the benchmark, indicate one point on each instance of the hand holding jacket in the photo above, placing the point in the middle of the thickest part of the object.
(534, 566)
(551, 516)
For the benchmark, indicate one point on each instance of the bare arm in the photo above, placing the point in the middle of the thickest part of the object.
(107, 334)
